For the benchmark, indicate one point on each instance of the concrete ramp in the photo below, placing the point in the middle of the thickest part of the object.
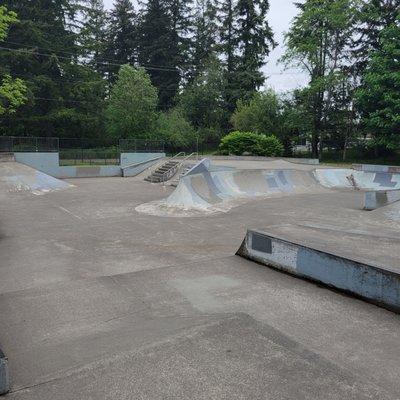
(208, 190)
(16, 177)
(220, 189)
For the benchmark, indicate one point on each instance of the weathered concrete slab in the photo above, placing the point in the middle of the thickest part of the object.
(373, 283)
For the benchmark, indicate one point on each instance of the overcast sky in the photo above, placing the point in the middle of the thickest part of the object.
(280, 15)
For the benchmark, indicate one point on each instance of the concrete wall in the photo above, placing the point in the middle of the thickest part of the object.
(381, 198)
(4, 374)
(49, 164)
(137, 168)
(133, 158)
(373, 283)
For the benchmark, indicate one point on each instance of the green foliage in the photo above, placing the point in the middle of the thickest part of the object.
(203, 104)
(13, 92)
(6, 19)
(158, 49)
(262, 114)
(318, 42)
(131, 112)
(175, 129)
(12, 95)
(241, 143)
(379, 97)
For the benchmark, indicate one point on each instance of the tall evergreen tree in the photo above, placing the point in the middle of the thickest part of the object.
(204, 41)
(121, 37)
(372, 17)
(253, 41)
(92, 35)
(158, 51)
(246, 40)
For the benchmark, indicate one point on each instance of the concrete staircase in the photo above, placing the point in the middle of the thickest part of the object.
(165, 172)
(6, 157)
(182, 172)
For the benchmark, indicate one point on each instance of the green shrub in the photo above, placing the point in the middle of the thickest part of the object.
(242, 143)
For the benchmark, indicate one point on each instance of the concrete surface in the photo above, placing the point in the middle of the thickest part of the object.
(98, 301)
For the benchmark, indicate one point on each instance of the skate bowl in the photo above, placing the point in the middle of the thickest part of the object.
(210, 191)
(18, 177)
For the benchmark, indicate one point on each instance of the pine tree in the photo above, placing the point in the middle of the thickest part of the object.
(245, 41)
(92, 35)
(372, 17)
(158, 51)
(253, 41)
(204, 41)
(121, 37)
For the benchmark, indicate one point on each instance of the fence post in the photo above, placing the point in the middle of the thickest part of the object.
(36, 144)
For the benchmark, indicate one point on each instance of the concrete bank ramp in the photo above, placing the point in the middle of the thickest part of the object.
(16, 177)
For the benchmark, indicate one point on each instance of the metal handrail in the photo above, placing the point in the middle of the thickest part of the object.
(177, 166)
(181, 153)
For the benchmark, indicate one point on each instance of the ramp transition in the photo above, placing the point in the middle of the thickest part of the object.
(16, 177)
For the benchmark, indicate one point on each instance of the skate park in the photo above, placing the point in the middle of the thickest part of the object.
(220, 277)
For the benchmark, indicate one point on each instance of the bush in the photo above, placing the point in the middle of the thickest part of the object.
(239, 143)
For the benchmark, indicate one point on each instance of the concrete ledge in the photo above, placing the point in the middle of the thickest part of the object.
(381, 198)
(4, 375)
(376, 168)
(378, 285)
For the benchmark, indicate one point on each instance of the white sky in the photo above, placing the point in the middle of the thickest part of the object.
(280, 14)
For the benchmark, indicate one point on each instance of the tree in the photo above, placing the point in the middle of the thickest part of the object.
(6, 19)
(158, 51)
(317, 42)
(245, 41)
(253, 41)
(122, 42)
(12, 91)
(371, 17)
(131, 111)
(203, 102)
(204, 41)
(379, 96)
(261, 114)
(175, 129)
(92, 35)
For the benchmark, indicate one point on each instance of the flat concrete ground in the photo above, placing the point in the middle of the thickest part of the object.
(98, 301)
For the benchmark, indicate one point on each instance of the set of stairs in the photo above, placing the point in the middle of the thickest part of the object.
(6, 157)
(165, 172)
(183, 172)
